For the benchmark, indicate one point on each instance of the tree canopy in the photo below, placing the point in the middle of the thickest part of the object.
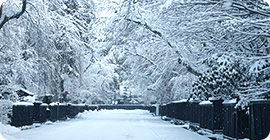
(160, 50)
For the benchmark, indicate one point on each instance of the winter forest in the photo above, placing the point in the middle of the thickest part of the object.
(155, 50)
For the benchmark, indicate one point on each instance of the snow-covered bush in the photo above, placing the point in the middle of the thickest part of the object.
(257, 82)
(222, 79)
(229, 77)
(5, 111)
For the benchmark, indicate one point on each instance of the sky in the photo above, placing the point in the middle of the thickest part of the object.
(2, 1)
(268, 1)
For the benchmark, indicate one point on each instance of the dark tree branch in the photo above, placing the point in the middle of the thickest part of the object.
(191, 70)
(188, 67)
(1, 9)
(17, 15)
(146, 26)
(244, 7)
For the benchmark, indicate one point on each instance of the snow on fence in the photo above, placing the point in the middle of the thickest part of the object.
(220, 116)
(27, 114)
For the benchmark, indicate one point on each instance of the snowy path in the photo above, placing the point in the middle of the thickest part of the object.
(109, 125)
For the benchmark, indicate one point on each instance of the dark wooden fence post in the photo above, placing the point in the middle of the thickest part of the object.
(53, 112)
(235, 121)
(259, 119)
(181, 110)
(217, 115)
(170, 110)
(194, 111)
(206, 115)
(36, 112)
(163, 110)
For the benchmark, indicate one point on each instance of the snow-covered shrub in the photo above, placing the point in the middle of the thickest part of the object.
(257, 82)
(229, 78)
(5, 111)
(221, 80)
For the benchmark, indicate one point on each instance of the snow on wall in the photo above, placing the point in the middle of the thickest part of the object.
(180, 101)
(23, 103)
(205, 103)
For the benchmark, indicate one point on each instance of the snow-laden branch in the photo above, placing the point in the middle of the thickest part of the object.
(17, 15)
(146, 26)
(149, 60)
(244, 7)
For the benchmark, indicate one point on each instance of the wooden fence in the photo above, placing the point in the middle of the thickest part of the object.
(220, 116)
(27, 114)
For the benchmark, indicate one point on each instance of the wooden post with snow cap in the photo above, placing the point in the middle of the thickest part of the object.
(157, 109)
(217, 114)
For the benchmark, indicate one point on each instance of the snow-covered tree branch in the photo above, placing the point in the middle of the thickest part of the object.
(6, 18)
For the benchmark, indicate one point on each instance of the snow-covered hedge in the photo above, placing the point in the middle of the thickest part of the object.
(231, 78)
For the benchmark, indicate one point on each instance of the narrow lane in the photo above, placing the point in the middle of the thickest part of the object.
(110, 125)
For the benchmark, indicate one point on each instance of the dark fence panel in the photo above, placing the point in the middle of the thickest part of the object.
(44, 113)
(206, 116)
(22, 115)
(108, 107)
(229, 120)
(39, 113)
(53, 113)
(92, 107)
(242, 124)
(224, 117)
(170, 110)
(72, 111)
(194, 112)
(181, 110)
(235, 123)
(211, 115)
(62, 112)
(163, 110)
(81, 108)
(217, 115)
(36, 112)
(27, 114)
(259, 119)
(152, 109)
(58, 112)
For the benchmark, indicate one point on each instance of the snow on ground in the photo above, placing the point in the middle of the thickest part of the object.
(108, 125)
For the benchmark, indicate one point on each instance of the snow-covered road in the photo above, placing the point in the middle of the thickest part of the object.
(109, 125)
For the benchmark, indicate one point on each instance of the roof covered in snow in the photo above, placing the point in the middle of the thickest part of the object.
(24, 92)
